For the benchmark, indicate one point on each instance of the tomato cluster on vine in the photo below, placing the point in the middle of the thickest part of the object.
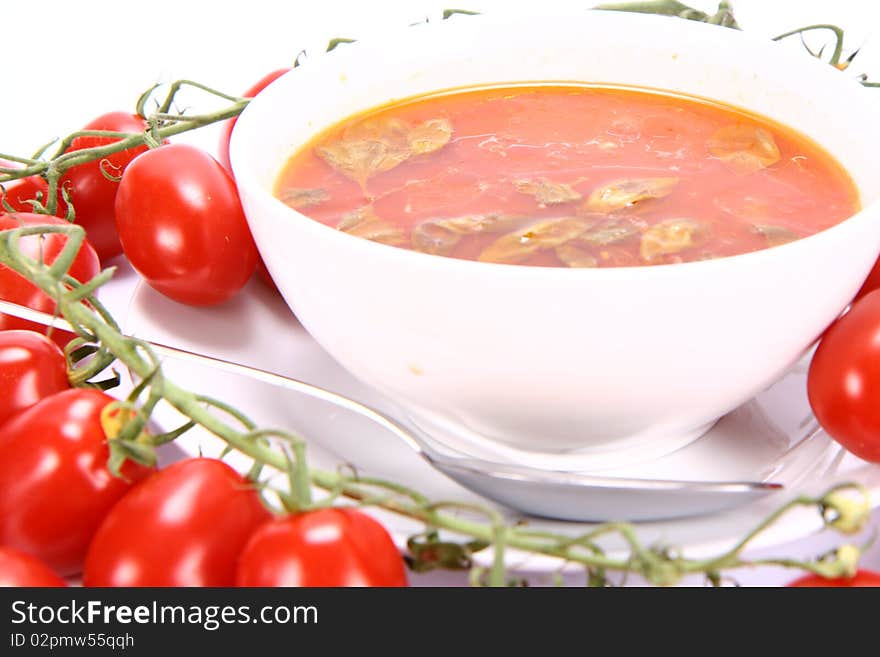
(174, 212)
(196, 522)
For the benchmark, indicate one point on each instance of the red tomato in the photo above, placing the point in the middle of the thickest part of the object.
(17, 289)
(17, 192)
(223, 153)
(54, 481)
(862, 578)
(327, 547)
(264, 274)
(93, 194)
(223, 148)
(843, 383)
(871, 283)
(183, 526)
(20, 569)
(182, 226)
(31, 367)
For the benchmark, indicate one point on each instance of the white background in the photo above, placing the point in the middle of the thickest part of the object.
(64, 63)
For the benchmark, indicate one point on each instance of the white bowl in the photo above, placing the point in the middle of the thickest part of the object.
(586, 368)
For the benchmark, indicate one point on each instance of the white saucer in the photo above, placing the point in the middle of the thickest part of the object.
(752, 443)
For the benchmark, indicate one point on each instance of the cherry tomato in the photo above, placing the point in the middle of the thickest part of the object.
(843, 383)
(223, 154)
(20, 569)
(183, 526)
(223, 148)
(862, 578)
(17, 289)
(182, 226)
(871, 283)
(326, 547)
(18, 192)
(54, 484)
(264, 274)
(93, 194)
(31, 367)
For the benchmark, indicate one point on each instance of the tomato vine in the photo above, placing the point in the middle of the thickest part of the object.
(453, 531)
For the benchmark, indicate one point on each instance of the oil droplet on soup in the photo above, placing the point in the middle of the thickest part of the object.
(567, 176)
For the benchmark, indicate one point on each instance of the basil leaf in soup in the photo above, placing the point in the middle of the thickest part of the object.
(430, 136)
(518, 245)
(547, 192)
(775, 235)
(440, 236)
(576, 256)
(627, 193)
(668, 237)
(364, 223)
(297, 197)
(744, 148)
(611, 231)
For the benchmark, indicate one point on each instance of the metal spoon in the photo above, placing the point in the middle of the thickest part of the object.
(548, 493)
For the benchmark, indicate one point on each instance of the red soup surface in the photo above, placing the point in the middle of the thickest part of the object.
(568, 176)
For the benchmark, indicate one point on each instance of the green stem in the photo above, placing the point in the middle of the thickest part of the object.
(53, 175)
(66, 143)
(171, 436)
(730, 559)
(302, 481)
(659, 7)
(245, 421)
(838, 35)
(75, 158)
(394, 488)
(168, 125)
(14, 158)
(177, 85)
(498, 572)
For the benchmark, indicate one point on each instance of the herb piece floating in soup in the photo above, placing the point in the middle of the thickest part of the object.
(775, 235)
(744, 148)
(668, 237)
(434, 237)
(624, 194)
(576, 256)
(611, 231)
(368, 148)
(376, 145)
(548, 193)
(363, 222)
(296, 197)
(572, 176)
(520, 244)
(439, 236)
(430, 136)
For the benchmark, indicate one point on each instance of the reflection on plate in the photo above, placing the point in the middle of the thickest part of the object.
(758, 441)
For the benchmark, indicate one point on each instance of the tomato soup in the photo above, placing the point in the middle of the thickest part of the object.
(568, 176)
